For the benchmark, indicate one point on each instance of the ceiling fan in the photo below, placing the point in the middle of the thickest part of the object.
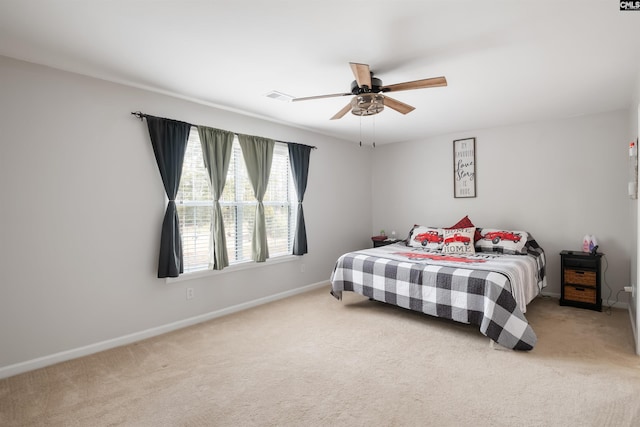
(369, 93)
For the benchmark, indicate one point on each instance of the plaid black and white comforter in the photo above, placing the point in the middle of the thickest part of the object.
(488, 290)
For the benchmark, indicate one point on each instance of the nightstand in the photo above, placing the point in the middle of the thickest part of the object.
(581, 279)
(389, 241)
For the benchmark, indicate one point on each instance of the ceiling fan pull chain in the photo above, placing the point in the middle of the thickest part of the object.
(360, 131)
(374, 132)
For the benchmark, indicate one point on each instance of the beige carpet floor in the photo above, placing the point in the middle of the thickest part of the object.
(311, 360)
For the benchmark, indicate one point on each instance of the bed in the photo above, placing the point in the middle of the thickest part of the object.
(487, 283)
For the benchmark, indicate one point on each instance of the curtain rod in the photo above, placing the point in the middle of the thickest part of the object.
(141, 115)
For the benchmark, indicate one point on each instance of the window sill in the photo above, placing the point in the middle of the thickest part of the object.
(247, 265)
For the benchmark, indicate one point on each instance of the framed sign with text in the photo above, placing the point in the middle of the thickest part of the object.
(464, 167)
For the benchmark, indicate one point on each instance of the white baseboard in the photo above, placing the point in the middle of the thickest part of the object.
(41, 362)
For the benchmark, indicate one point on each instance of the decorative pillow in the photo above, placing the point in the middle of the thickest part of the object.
(466, 223)
(426, 237)
(458, 240)
(408, 239)
(502, 241)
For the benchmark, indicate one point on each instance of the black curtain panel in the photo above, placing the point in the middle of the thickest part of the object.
(169, 139)
(299, 160)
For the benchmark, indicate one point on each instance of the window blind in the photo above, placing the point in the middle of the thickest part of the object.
(194, 205)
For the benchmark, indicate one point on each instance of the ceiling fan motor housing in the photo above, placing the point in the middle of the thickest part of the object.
(376, 86)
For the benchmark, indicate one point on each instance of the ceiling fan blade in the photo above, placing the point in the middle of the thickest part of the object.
(333, 95)
(362, 74)
(342, 112)
(416, 84)
(399, 106)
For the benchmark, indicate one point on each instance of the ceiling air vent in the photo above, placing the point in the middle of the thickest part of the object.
(274, 94)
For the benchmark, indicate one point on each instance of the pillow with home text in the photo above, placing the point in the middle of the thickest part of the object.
(426, 237)
(466, 223)
(458, 240)
(502, 241)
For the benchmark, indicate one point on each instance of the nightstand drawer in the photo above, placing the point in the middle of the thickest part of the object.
(580, 294)
(581, 263)
(580, 277)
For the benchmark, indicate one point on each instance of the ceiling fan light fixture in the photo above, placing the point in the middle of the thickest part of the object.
(367, 104)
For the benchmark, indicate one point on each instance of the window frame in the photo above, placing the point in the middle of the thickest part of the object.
(237, 264)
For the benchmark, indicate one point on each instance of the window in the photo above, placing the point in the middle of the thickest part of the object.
(194, 203)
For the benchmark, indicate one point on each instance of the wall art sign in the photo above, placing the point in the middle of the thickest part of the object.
(464, 167)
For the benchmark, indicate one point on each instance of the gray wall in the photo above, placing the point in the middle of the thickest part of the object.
(83, 204)
(559, 180)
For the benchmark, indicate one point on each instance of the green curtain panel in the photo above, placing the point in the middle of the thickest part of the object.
(299, 159)
(169, 140)
(217, 146)
(258, 155)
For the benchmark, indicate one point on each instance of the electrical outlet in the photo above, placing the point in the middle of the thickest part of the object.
(190, 293)
(302, 268)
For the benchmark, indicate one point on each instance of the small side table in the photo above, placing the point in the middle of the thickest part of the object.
(581, 280)
(389, 241)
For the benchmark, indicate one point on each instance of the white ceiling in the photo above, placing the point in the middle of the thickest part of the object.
(506, 62)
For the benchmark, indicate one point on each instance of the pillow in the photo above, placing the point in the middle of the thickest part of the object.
(502, 241)
(426, 237)
(407, 241)
(458, 240)
(466, 223)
